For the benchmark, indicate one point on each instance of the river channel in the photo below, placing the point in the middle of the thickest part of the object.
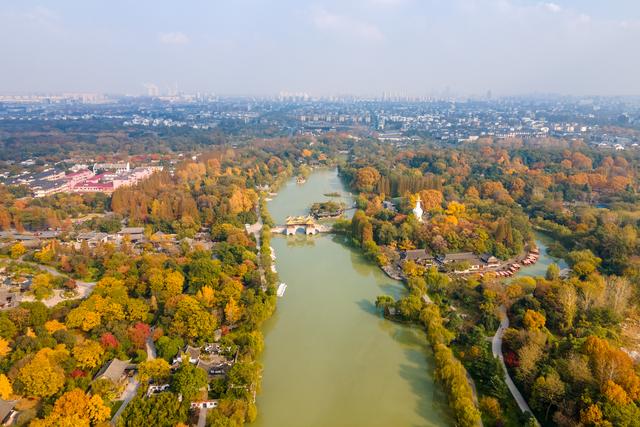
(540, 268)
(330, 359)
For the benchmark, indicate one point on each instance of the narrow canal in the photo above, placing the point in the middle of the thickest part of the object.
(540, 268)
(330, 359)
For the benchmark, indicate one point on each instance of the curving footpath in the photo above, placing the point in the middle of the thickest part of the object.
(127, 396)
(132, 386)
(83, 289)
(496, 348)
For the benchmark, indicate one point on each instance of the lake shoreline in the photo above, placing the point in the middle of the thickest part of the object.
(329, 353)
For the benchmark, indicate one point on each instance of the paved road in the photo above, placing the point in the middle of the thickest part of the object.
(255, 229)
(202, 417)
(83, 289)
(151, 347)
(128, 394)
(55, 272)
(496, 348)
(132, 388)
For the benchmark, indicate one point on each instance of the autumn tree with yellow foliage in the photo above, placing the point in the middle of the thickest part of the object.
(5, 348)
(6, 390)
(154, 369)
(88, 354)
(76, 408)
(43, 376)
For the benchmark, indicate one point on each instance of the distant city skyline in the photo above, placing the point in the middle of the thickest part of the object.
(412, 48)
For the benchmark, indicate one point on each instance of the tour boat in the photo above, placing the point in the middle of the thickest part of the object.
(281, 289)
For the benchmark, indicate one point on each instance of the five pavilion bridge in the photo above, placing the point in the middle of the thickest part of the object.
(306, 224)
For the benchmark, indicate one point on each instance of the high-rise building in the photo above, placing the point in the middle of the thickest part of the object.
(152, 90)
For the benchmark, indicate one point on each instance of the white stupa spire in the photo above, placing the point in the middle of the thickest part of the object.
(417, 211)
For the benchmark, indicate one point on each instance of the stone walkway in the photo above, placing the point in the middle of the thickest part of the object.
(83, 289)
(128, 394)
(202, 417)
(496, 348)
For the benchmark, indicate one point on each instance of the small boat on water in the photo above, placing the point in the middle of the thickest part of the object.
(281, 289)
(531, 258)
(273, 268)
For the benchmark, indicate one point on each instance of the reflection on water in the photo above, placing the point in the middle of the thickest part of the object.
(369, 307)
(362, 268)
(540, 268)
(299, 241)
(330, 358)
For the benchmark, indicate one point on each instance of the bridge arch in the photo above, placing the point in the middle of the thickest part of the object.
(305, 224)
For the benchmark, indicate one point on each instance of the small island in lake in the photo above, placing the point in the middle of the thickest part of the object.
(328, 209)
(333, 194)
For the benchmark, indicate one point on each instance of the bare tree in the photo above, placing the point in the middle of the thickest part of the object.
(619, 292)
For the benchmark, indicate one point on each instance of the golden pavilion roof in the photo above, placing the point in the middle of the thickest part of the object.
(300, 220)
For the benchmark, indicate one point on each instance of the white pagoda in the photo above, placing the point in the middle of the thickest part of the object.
(417, 211)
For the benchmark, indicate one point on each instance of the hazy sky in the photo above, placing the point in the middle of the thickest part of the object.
(322, 47)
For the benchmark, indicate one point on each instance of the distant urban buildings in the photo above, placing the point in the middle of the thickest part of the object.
(101, 178)
(393, 118)
(152, 90)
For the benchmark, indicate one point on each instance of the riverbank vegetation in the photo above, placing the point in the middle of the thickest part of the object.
(449, 371)
(208, 283)
(571, 343)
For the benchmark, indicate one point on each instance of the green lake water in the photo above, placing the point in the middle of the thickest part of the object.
(330, 359)
(540, 267)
